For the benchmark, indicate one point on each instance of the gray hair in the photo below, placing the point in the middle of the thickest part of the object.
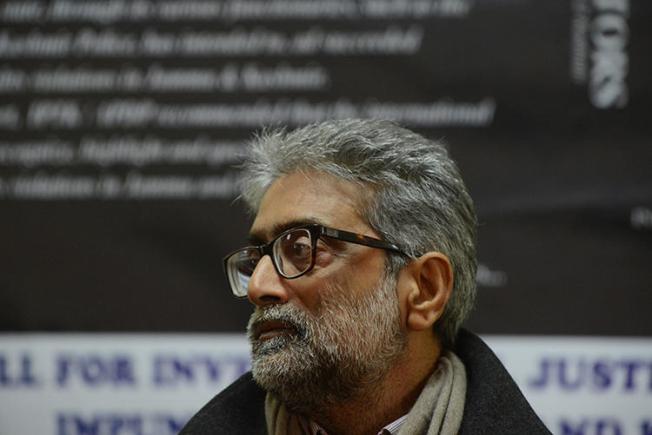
(418, 199)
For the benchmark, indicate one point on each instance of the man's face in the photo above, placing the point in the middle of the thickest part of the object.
(317, 338)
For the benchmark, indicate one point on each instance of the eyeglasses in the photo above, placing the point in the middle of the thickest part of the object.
(293, 254)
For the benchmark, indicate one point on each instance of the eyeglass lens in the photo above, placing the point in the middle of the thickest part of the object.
(292, 253)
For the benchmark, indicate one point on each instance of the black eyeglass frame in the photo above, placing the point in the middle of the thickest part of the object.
(316, 231)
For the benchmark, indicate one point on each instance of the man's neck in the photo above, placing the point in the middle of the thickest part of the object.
(386, 401)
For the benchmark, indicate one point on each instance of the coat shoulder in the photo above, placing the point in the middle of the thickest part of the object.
(494, 403)
(238, 409)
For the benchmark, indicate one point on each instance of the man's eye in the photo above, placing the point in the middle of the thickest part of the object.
(300, 250)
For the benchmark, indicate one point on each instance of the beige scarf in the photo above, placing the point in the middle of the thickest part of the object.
(439, 408)
(437, 411)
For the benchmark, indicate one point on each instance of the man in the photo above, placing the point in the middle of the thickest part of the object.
(361, 268)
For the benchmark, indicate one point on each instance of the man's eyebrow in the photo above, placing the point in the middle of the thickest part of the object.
(262, 237)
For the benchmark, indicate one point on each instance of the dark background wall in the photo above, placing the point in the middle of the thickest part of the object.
(122, 123)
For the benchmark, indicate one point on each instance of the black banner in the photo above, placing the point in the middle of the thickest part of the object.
(122, 123)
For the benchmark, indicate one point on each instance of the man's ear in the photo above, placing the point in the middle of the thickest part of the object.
(430, 287)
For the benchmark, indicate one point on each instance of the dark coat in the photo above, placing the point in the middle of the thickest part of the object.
(494, 404)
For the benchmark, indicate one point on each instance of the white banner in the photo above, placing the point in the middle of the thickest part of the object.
(583, 385)
(89, 384)
(150, 384)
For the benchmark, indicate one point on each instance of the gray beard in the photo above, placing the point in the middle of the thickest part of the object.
(339, 354)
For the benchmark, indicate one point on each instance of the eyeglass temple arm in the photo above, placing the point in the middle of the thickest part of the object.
(360, 239)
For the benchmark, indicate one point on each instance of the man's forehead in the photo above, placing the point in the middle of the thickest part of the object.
(299, 198)
(261, 234)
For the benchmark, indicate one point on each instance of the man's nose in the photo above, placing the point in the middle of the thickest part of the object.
(265, 285)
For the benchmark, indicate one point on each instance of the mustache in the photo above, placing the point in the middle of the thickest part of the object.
(288, 314)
